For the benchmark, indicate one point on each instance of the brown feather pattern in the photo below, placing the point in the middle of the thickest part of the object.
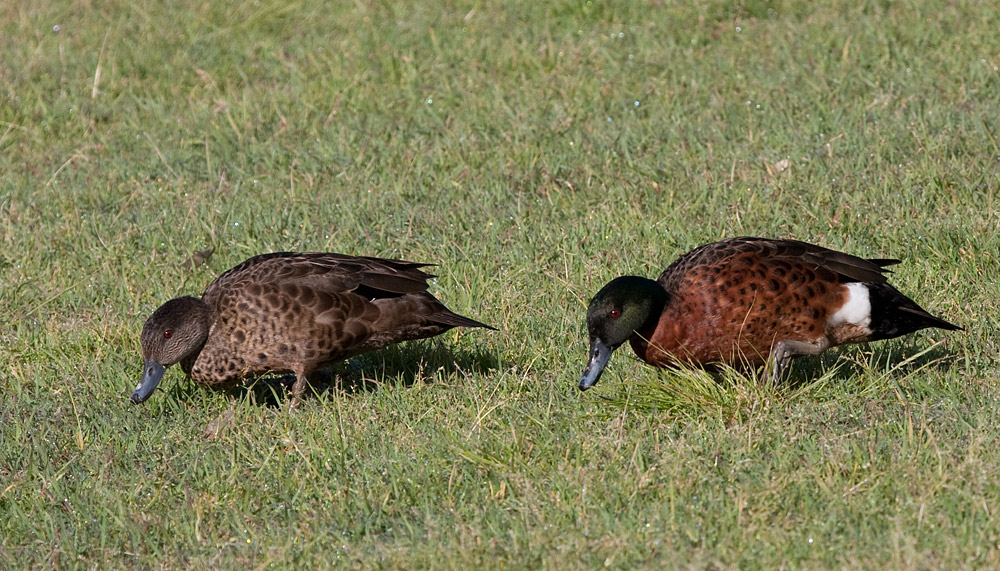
(296, 312)
(747, 300)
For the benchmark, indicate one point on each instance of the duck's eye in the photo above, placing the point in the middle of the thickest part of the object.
(168, 333)
(616, 313)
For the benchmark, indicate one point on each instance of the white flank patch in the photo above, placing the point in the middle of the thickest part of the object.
(857, 310)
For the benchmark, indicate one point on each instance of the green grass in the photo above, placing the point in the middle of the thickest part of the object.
(534, 151)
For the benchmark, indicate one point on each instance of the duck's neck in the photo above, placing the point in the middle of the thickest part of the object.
(201, 316)
(656, 298)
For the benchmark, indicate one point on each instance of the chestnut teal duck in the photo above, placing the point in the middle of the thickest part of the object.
(290, 312)
(750, 301)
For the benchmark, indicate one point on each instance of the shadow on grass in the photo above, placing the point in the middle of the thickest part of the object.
(735, 394)
(402, 365)
(847, 364)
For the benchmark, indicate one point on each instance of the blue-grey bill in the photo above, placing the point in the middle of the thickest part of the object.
(152, 372)
(599, 356)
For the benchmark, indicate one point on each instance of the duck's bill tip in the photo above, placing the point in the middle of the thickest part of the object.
(600, 354)
(152, 372)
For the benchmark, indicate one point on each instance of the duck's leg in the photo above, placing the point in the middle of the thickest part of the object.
(787, 349)
(298, 391)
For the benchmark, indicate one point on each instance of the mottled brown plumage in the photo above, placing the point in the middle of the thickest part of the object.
(744, 301)
(291, 312)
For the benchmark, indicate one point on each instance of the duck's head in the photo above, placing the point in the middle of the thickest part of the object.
(622, 307)
(176, 330)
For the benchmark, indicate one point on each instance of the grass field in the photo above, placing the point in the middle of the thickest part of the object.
(534, 150)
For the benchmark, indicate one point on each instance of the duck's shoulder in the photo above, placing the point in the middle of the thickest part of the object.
(752, 251)
(700, 259)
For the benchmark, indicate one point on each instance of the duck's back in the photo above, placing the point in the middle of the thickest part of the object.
(750, 251)
(323, 271)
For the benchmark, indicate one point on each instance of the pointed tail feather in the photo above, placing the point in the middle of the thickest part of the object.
(893, 314)
(455, 320)
(931, 320)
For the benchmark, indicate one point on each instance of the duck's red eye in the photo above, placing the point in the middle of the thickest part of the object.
(168, 333)
(616, 313)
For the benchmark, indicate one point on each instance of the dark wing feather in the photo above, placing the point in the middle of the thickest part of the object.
(883, 262)
(399, 282)
(851, 267)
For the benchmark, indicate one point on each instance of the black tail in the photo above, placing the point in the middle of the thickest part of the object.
(894, 314)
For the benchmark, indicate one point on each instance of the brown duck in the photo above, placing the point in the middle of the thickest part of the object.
(748, 301)
(290, 312)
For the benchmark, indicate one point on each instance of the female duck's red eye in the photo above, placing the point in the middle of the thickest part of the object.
(168, 333)
(616, 313)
